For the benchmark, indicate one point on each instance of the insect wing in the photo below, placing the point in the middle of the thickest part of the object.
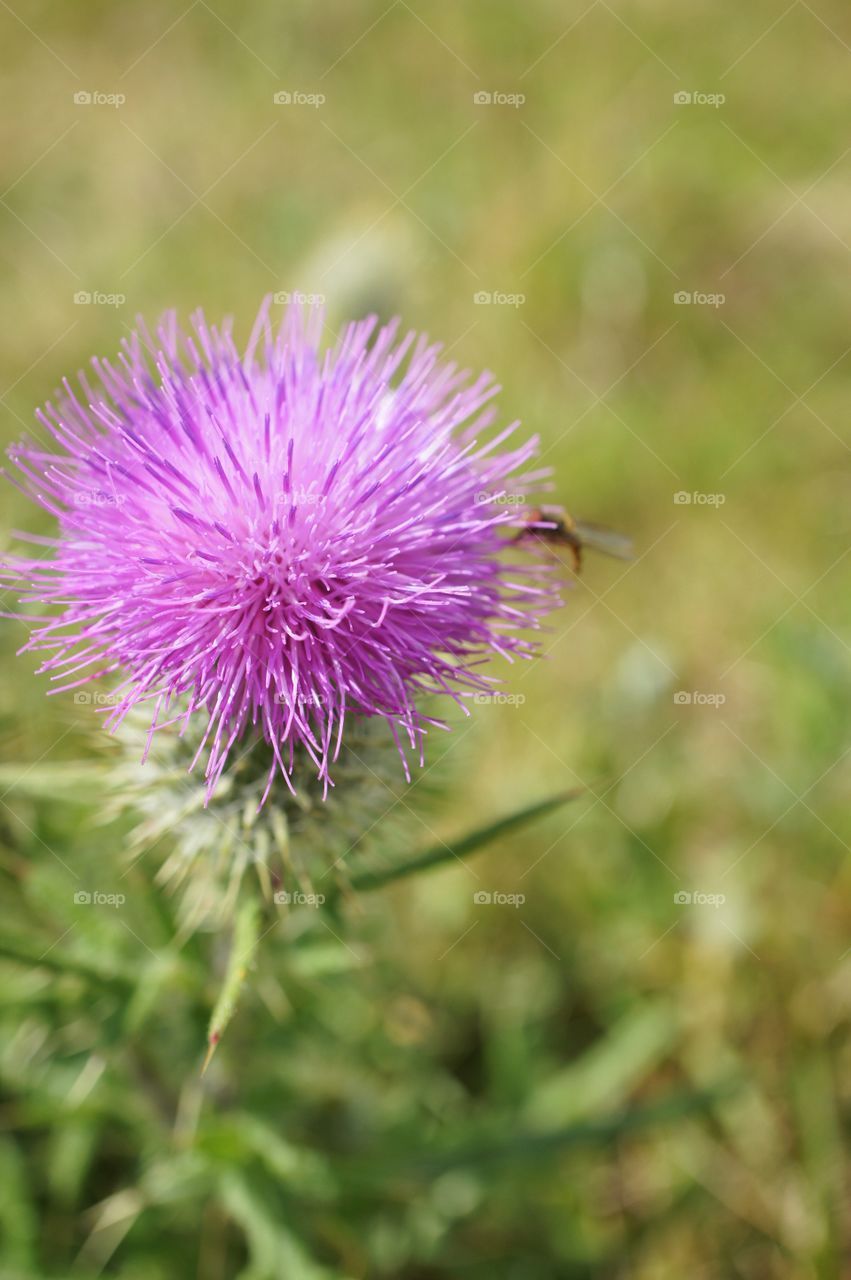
(609, 541)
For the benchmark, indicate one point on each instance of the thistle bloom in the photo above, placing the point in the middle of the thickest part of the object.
(277, 540)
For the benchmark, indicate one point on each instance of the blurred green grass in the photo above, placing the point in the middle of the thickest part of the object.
(598, 199)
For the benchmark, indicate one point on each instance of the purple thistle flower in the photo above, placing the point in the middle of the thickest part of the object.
(279, 539)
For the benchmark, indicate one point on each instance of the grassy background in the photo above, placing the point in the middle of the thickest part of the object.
(453, 1089)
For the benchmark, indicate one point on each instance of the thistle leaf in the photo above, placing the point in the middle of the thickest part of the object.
(443, 852)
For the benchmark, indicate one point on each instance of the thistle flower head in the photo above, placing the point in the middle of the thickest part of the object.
(274, 541)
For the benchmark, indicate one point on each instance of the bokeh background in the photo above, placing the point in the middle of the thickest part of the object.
(642, 1069)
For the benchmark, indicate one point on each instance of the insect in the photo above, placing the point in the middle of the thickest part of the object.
(555, 527)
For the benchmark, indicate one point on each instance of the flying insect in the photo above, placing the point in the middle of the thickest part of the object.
(553, 526)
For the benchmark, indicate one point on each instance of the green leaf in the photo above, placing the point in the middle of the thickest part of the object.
(604, 1075)
(530, 1146)
(444, 852)
(17, 1209)
(61, 962)
(243, 949)
(72, 1148)
(275, 1249)
(241, 1138)
(80, 783)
